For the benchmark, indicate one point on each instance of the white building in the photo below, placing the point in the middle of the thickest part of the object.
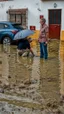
(29, 12)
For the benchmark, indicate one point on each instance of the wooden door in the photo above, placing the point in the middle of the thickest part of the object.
(54, 23)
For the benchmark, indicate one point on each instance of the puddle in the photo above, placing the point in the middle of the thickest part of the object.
(30, 85)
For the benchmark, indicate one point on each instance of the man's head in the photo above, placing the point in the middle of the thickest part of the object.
(42, 21)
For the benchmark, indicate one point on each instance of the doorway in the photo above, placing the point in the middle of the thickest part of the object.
(54, 23)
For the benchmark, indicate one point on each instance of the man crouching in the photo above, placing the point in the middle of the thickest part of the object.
(24, 46)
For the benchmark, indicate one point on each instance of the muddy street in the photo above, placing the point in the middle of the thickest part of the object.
(30, 85)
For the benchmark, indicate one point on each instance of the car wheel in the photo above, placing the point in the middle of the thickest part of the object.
(6, 40)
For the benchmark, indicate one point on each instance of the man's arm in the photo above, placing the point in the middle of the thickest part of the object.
(32, 52)
(47, 36)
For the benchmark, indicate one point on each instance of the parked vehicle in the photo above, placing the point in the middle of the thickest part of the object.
(8, 31)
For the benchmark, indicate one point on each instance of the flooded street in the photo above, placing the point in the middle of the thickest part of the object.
(30, 85)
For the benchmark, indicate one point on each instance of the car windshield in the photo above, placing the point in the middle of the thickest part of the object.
(18, 26)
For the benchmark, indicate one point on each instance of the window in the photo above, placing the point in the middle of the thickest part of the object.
(6, 26)
(55, 17)
(18, 16)
(1, 26)
(17, 26)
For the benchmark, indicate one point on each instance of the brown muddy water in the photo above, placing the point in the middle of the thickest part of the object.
(30, 85)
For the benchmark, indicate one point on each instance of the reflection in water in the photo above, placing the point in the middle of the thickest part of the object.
(5, 68)
(35, 75)
(61, 56)
(5, 64)
(33, 82)
(49, 86)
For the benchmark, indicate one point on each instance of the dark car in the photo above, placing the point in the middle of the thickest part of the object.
(8, 31)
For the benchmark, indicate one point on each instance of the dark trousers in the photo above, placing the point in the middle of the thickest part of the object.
(43, 50)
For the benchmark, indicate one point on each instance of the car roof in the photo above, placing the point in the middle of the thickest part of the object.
(8, 22)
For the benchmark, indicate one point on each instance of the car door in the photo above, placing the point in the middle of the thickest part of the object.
(1, 29)
(4, 30)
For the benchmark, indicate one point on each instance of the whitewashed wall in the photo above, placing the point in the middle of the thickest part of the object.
(50, 5)
(35, 8)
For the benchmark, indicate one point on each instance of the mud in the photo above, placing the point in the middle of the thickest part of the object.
(30, 85)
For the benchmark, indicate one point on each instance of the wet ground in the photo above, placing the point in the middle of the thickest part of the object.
(30, 85)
